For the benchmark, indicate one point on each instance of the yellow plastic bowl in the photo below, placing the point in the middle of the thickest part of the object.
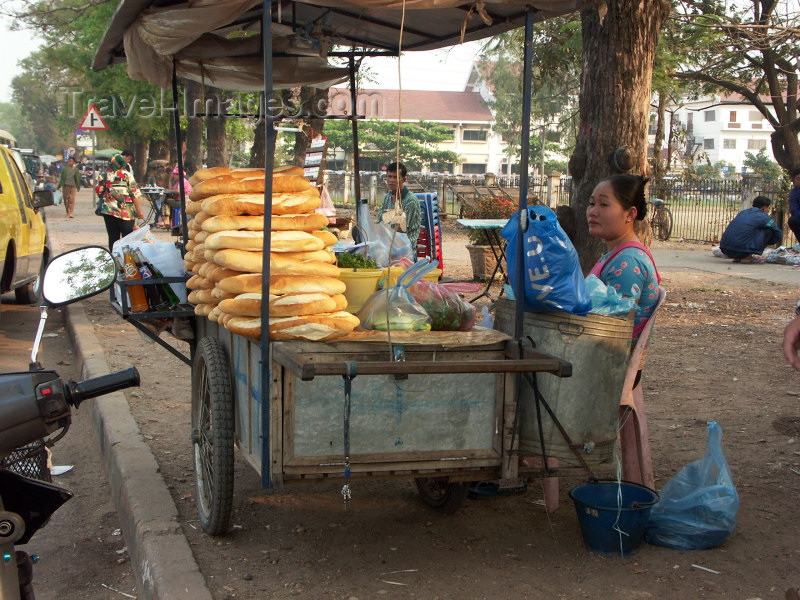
(361, 284)
(390, 275)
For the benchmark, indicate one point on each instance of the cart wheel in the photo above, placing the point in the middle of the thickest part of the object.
(212, 436)
(440, 494)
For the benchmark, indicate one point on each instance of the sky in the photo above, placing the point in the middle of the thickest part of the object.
(445, 70)
(14, 45)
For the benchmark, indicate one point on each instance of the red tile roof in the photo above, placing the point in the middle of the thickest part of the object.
(417, 105)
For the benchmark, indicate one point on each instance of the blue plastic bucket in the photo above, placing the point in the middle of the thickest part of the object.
(609, 526)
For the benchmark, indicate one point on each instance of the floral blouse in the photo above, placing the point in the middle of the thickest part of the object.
(633, 274)
(118, 189)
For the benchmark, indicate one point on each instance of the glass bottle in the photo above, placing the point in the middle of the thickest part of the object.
(155, 295)
(135, 292)
(166, 290)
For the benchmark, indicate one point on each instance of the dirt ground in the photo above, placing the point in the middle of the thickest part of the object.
(715, 355)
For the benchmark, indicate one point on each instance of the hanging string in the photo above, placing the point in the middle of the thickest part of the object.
(400, 82)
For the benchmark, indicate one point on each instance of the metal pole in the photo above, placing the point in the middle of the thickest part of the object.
(354, 121)
(265, 363)
(177, 121)
(527, 59)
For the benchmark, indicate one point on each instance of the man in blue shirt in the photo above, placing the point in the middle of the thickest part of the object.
(396, 181)
(750, 232)
(794, 205)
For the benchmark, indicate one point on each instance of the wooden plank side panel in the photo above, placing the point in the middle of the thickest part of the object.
(509, 469)
(277, 391)
(421, 418)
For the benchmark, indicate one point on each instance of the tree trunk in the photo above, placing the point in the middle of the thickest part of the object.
(139, 150)
(215, 126)
(194, 129)
(159, 150)
(659, 168)
(311, 99)
(614, 101)
(257, 156)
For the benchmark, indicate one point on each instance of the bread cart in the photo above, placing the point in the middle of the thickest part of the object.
(437, 408)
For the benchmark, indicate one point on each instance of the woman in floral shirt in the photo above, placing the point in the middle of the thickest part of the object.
(120, 200)
(614, 206)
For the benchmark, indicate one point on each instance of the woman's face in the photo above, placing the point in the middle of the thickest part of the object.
(607, 219)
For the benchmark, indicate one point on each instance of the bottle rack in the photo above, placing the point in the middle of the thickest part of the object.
(138, 319)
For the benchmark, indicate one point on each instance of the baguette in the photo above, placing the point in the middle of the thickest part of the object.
(203, 310)
(301, 304)
(241, 284)
(243, 305)
(217, 273)
(234, 204)
(203, 174)
(219, 294)
(250, 262)
(294, 241)
(196, 282)
(214, 314)
(192, 208)
(246, 326)
(289, 203)
(229, 184)
(326, 237)
(243, 240)
(323, 255)
(292, 284)
(317, 327)
(201, 297)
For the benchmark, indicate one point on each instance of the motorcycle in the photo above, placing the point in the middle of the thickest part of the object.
(35, 404)
(87, 178)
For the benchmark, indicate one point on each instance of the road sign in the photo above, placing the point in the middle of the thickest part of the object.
(93, 120)
(84, 141)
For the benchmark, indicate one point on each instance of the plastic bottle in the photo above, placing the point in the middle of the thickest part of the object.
(135, 292)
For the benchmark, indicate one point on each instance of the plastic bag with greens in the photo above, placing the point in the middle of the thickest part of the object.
(447, 310)
(394, 308)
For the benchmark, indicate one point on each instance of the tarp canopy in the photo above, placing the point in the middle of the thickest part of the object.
(217, 41)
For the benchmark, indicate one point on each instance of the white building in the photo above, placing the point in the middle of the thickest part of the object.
(464, 112)
(723, 128)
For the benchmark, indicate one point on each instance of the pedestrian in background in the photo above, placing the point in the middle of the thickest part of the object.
(750, 232)
(794, 205)
(121, 200)
(70, 180)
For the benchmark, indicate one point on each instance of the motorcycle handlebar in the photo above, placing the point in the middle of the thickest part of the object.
(78, 391)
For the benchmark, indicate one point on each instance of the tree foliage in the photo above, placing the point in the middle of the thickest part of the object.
(748, 49)
(760, 164)
(554, 83)
(379, 139)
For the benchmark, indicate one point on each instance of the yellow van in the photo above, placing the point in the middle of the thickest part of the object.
(24, 249)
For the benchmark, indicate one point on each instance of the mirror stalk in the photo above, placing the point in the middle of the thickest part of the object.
(35, 365)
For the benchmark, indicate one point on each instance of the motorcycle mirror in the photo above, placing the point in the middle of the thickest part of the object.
(78, 274)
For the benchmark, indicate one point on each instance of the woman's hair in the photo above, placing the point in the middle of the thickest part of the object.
(629, 190)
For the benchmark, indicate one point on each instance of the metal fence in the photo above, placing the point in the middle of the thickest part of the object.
(701, 208)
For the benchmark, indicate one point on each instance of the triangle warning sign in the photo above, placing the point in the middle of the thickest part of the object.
(93, 120)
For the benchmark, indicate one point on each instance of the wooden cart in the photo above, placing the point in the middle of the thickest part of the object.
(439, 409)
(441, 413)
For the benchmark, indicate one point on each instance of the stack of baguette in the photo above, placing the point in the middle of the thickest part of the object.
(225, 254)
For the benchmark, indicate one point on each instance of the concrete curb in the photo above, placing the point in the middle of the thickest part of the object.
(164, 566)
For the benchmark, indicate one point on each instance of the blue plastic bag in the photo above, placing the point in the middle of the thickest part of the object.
(606, 300)
(552, 276)
(698, 506)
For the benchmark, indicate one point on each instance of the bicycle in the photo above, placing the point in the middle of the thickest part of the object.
(660, 219)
